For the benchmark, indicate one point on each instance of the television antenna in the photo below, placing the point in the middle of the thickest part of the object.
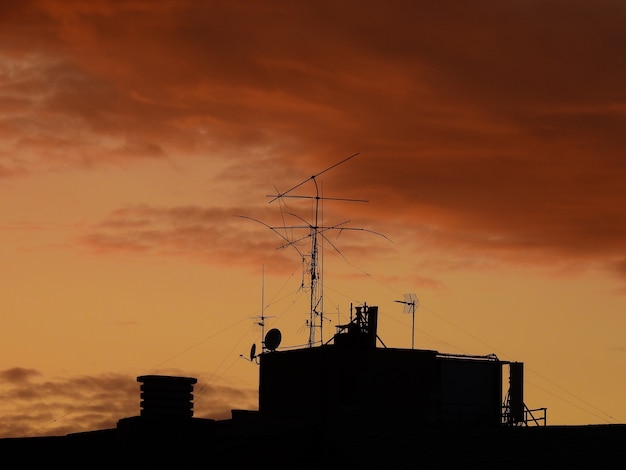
(315, 230)
(260, 321)
(410, 305)
(262, 318)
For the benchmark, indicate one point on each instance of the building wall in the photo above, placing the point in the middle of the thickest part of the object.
(392, 384)
(471, 391)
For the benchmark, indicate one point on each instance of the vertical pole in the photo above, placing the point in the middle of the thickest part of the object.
(263, 307)
(413, 327)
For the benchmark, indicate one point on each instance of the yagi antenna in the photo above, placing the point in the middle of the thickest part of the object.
(279, 195)
(315, 231)
(410, 305)
(316, 287)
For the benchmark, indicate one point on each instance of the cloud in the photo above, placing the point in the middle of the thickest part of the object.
(18, 375)
(210, 235)
(47, 406)
(220, 236)
(37, 405)
(619, 266)
(495, 127)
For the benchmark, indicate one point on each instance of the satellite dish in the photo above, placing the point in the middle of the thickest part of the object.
(253, 352)
(272, 339)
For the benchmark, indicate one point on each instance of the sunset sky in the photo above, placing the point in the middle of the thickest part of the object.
(140, 140)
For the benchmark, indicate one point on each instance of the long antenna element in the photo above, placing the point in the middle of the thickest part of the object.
(279, 195)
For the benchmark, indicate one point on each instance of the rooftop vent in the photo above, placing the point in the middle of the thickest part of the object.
(165, 396)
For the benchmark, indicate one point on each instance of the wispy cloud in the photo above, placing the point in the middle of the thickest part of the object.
(35, 405)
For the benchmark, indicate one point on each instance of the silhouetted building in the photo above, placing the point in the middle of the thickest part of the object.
(352, 378)
(347, 403)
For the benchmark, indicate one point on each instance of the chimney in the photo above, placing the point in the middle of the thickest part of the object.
(165, 396)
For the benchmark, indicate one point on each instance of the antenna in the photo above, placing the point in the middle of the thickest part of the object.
(262, 323)
(314, 232)
(262, 317)
(410, 305)
(253, 354)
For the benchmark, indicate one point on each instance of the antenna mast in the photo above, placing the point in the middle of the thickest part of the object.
(262, 317)
(316, 314)
(315, 231)
(410, 304)
(262, 308)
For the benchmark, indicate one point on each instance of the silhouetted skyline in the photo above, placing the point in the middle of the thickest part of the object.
(132, 134)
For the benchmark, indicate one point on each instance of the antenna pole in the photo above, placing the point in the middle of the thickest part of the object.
(321, 277)
(262, 307)
(315, 294)
(410, 302)
(413, 325)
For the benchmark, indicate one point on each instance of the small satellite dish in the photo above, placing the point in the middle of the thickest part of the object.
(253, 352)
(272, 339)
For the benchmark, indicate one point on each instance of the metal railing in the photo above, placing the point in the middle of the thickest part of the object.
(537, 416)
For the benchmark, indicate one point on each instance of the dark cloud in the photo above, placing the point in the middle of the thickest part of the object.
(215, 236)
(53, 402)
(225, 236)
(497, 125)
(18, 375)
(620, 267)
(89, 402)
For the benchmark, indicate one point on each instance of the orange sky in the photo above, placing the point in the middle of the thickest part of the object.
(490, 140)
